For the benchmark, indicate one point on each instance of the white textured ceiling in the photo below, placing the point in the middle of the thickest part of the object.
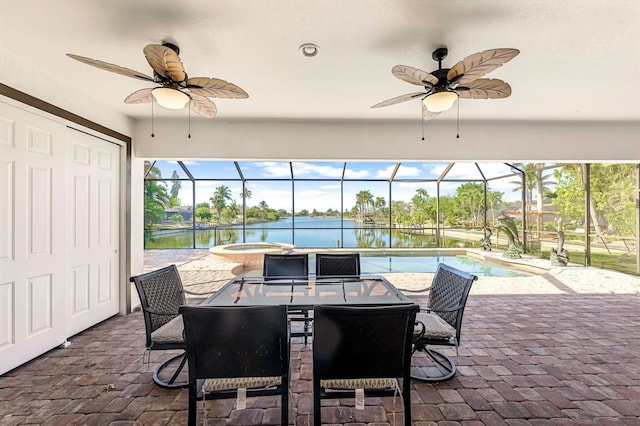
(579, 60)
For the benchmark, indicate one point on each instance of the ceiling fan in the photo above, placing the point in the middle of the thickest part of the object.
(176, 88)
(445, 85)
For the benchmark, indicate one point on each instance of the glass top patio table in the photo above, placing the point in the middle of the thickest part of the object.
(307, 292)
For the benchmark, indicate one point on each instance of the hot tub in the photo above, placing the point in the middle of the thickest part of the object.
(250, 255)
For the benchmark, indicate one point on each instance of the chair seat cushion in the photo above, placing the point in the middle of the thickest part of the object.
(170, 332)
(212, 385)
(365, 383)
(434, 327)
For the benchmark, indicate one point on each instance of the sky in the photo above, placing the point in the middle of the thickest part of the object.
(322, 195)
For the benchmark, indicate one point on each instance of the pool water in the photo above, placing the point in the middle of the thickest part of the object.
(371, 263)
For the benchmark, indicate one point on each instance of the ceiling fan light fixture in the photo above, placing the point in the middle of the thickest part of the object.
(440, 101)
(170, 98)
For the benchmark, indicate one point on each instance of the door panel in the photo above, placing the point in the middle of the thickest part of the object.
(33, 242)
(59, 236)
(94, 169)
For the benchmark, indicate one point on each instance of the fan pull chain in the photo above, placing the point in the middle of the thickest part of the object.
(458, 122)
(422, 120)
(152, 134)
(189, 120)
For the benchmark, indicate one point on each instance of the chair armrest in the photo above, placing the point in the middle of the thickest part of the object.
(429, 309)
(153, 311)
(408, 290)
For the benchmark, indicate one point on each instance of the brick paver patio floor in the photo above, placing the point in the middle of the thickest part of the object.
(545, 358)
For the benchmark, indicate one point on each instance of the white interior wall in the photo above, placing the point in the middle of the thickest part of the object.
(25, 77)
(524, 141)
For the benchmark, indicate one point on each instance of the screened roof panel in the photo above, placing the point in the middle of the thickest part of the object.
(420, 170)
(165, 170)
(317, 170)
(265, 169)
(465, 171)
(212, 169)
(354, 170)
(369, 170)
(496, 170)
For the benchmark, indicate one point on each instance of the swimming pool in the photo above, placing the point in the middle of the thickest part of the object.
(385, 262)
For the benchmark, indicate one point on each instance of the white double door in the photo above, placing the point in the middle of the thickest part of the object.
(59, 233)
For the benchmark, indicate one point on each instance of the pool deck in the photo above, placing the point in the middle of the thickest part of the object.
(199, 266)
(560, 348)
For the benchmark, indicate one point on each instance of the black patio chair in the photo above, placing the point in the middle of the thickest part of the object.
(439, 324)
(362, 351)
(161, 295)
(237, 352)
(278, 266)
(337, 264)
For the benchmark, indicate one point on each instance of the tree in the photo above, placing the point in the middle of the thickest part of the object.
(203, 211)
(156, 198)
(613, 190)
(231, 212)
(245, 194)
(612, 200)
(450, 211)
(471, 198)
(175, 189)
(400, 212)
(570, 190)
(220, 198)
(176, 218)
(494, 201)
(529, 170)
(264, 207)
(420, 211)
(379, 204)
(364, 200)
(535, 181)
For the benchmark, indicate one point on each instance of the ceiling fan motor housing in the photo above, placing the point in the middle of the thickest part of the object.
(439, 54)
(441, 75)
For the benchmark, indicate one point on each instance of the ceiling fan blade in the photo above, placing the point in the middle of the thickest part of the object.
(484, 88)
(428, 115)
(111, 67)
(165, 62)
(141, 96)
(399, 99)
(214, 87)
(414, 75)
(202, 106)
(479, 64)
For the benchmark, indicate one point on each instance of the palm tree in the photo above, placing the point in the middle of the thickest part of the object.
(156, 197)
(471, 197)
(535, 180)
(379, 204)
(263, 209)
(232, 211)
(220, 198)
(529, 170)
(246, 195)
(364, 199)
(494, 199)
